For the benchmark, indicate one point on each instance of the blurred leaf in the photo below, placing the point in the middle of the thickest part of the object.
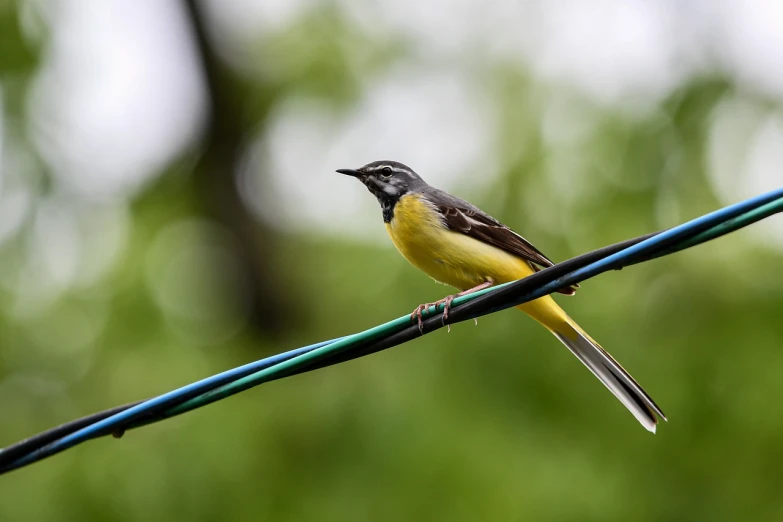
(17, 55)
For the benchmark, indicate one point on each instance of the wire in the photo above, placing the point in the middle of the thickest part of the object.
(392, 333)
(103, 423)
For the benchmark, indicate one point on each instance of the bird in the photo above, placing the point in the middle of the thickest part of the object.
(458, 244)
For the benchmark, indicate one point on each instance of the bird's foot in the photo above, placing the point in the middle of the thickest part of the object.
(418, 313)
(422, 309)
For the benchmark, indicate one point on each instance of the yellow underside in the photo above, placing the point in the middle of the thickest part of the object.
(458, 260)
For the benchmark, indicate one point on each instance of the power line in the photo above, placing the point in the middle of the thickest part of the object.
(308, 358)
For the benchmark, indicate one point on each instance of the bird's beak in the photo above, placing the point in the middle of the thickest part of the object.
(350, 172)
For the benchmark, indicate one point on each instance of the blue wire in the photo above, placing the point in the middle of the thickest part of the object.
(136, 412)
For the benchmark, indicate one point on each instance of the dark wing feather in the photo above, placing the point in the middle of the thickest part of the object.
(461, 216)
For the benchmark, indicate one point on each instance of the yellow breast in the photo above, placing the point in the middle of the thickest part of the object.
(419, 233)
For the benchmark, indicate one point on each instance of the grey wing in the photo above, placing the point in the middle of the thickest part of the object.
(461, 216)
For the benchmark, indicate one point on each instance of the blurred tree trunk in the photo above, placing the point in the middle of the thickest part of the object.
(216, 185)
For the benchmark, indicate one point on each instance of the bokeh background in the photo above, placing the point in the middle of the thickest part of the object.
(168, 210)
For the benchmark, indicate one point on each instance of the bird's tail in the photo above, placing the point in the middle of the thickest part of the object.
(597, 360)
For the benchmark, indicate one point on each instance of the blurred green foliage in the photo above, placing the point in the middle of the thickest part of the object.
(495, 422)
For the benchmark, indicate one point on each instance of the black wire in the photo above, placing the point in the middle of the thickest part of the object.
(21, 448)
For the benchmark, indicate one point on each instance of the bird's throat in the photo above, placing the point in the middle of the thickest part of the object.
(387, 200)
(387, 208)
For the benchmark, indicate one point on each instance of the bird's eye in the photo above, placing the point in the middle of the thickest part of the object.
(386, 172)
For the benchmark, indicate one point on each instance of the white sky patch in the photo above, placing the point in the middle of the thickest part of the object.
(612, 50)
(119, 94)
(750, 42)
(432, 122)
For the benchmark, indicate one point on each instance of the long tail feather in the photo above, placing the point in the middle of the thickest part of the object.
(614, 377)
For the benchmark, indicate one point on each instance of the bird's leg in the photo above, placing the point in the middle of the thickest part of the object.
(418, 313)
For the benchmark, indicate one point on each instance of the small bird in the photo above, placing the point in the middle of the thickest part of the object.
(459, 245)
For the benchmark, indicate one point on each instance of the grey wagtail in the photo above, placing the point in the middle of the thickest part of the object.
(457, 244)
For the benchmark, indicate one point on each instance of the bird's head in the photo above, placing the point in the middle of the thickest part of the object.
(387, 180)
